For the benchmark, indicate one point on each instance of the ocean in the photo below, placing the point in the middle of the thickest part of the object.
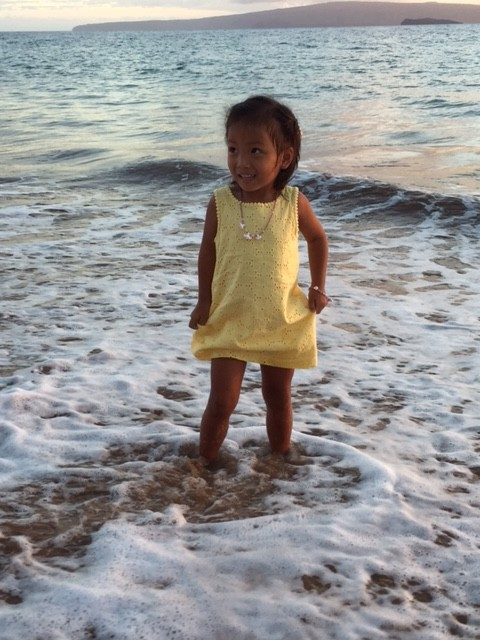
(111, 146)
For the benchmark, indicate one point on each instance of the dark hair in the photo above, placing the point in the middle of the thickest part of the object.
(280, 123)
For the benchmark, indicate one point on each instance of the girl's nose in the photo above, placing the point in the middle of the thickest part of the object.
(242, 160)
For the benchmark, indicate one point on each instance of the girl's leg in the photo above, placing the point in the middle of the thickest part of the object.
(276, 389)
(226, 375)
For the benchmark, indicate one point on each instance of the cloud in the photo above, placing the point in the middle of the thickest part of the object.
(208, 5)
(186, 4)
(82, 4)
(283, 4)
(178, 4)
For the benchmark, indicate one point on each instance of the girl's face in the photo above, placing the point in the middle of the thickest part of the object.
(254, 162)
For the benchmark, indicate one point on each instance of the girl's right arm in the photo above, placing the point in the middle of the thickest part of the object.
(206, 267)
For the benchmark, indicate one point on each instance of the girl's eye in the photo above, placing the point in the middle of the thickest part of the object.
(231, 149)
(256, 151)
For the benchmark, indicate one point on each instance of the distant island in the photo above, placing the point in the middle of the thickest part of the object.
(413, 21)
(329, 14)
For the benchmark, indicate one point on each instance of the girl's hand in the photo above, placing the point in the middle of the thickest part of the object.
(317, 299)
(199, 315)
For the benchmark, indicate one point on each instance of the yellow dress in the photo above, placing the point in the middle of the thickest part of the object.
(258, 312)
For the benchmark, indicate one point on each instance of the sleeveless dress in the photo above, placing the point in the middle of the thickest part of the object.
(258, 311)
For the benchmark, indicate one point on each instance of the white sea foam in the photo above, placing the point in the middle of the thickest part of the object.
(111, 530)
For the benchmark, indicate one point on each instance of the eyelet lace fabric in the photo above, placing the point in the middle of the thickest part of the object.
(258, 312)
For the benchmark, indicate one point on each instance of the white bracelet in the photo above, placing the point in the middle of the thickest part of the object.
(317, 289)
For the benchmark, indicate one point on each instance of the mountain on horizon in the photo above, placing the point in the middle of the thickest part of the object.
(329, 14)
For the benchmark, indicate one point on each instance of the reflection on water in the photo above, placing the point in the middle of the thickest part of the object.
(389, 103)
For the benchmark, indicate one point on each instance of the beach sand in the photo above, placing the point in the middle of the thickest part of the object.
(109, 526)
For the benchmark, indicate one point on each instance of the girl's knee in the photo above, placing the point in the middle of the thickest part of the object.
(277, 387)
(221, 407)
(277, 399)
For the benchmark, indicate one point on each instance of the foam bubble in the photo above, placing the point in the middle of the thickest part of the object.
(111, 527)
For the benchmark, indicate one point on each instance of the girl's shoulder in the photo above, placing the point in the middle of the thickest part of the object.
(290, 194)
(224, 189)
(290, 191)
(222, 197)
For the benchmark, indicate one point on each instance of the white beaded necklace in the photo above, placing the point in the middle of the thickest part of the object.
(254, 235)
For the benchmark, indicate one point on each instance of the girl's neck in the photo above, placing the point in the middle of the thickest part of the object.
(268, 194)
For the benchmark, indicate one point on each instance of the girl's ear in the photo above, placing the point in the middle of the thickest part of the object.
(287, 157)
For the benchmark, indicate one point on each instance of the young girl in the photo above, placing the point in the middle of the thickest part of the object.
(250, 307)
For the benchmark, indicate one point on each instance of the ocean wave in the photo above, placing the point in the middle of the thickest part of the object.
(66, 155)
(348, 193)
(343, 197)
(350, 197)
(9, 179)
(166, 172)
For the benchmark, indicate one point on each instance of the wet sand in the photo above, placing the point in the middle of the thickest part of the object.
(109, 526)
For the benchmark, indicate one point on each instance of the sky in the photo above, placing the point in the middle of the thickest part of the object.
(49, 15)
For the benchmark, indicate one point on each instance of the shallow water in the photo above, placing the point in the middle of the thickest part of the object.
(109, 527)
(101, 400)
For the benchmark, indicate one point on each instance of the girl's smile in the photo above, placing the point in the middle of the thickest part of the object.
(254, 162)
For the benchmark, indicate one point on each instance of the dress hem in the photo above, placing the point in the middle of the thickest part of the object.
(256, 358)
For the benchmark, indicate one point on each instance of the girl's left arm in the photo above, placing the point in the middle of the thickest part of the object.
(317, 243)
